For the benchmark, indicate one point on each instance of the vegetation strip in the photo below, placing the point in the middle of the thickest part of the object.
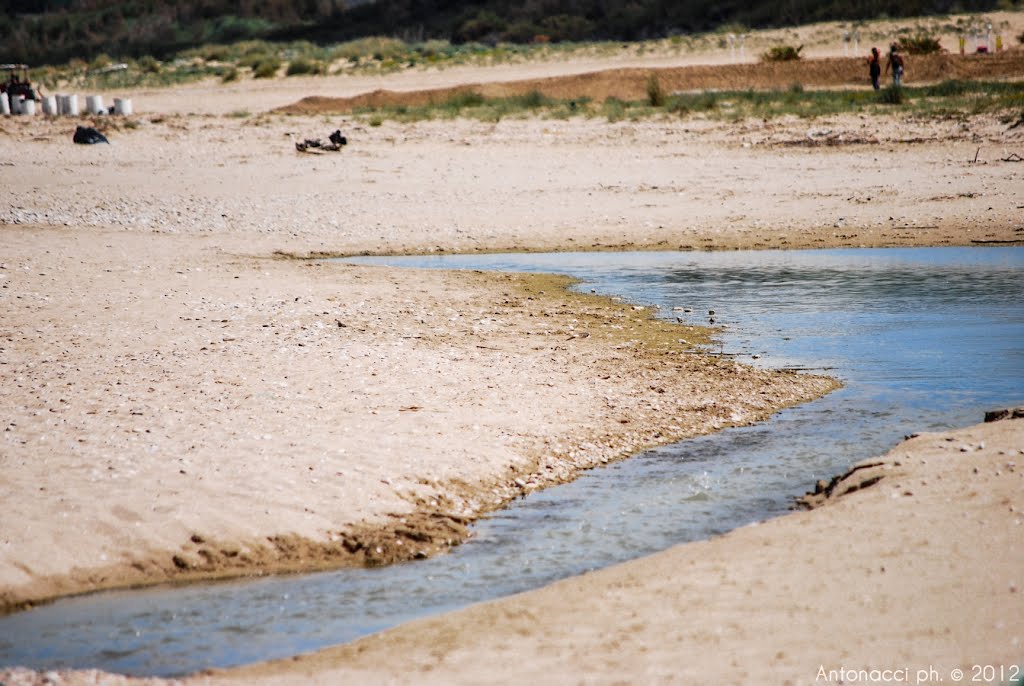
(951, 98)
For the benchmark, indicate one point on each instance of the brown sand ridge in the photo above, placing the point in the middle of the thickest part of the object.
(630, 84)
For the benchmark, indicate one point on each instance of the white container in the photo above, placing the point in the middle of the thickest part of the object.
(28, 107)
(123, 106)
(50, 105)
(72, 105)
(94, 104)
(5, 104)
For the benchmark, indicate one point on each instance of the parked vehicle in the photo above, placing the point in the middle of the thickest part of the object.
(17, 82)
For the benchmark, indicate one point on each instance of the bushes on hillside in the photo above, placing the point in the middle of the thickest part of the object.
(921, 44)
(781, 53)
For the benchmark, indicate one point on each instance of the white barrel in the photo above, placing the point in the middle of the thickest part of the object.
(28, 106)
(122, 106)
(50, 105)
(94, 104)
(5, 104)
(72, 105)
(16, 101)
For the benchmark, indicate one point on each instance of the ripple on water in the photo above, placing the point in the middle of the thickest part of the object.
(924, 339)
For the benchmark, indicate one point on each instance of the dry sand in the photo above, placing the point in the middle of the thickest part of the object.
(179, 402)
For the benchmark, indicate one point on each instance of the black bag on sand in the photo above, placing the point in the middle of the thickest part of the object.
(86, 135)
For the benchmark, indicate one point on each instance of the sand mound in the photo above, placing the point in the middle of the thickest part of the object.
(630, 84)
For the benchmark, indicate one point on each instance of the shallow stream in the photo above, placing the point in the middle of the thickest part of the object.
(923, 339)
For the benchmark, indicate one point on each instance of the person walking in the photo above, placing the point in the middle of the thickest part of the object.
(874, 67)
(896, 63)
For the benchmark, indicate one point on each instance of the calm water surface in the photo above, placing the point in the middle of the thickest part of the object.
(924, 339)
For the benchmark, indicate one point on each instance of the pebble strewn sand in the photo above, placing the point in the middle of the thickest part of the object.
(182, 400)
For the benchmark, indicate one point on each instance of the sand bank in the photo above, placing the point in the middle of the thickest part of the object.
(920, 572)
(180, 403)
(177, 411)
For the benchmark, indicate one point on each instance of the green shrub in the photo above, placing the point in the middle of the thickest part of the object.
(210, 52)
(302, 66)
(228, 75)
(149, 64)
(532, 100)
(230, 29)
(101, 61)
(252, 49)
(781, 53)
(566, 27)
(377, 46)
(921, 44)
(252, 59)
(460, 101)
(266, 68)
(678, 106)
(434, 49)
(613, 109)
(705, 102)
(521, 32)
(655, 93)
(480, 27)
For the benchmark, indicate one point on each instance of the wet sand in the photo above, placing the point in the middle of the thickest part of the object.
(213, 413)
(918, 573)
(182, 399)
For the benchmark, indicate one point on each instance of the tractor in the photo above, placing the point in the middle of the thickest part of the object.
(17, 83)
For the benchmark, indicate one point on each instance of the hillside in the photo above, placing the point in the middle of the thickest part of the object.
(54, 31)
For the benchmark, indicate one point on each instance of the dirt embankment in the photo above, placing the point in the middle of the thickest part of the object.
(631, 83)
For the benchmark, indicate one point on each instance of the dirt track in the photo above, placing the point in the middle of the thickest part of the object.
(630, 84)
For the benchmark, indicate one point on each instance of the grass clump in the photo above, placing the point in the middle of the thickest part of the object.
(920, 44)
(613, 109)
(893, 95)
(376, 48)
(947, 89)
(266, 67)
(781, 53)
(304, 67)
(462, 101)
(655, 93)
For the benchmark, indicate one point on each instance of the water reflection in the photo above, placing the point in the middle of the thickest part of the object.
(923, 339)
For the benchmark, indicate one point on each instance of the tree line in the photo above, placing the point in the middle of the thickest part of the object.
(54, 31)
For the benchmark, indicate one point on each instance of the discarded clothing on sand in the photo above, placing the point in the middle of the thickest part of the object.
(315, 145)
(86, 135)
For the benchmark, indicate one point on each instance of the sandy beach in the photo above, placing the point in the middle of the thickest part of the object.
(917, 575)
(184, 398)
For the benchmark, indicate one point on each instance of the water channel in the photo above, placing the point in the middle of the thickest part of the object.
(923, 339)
